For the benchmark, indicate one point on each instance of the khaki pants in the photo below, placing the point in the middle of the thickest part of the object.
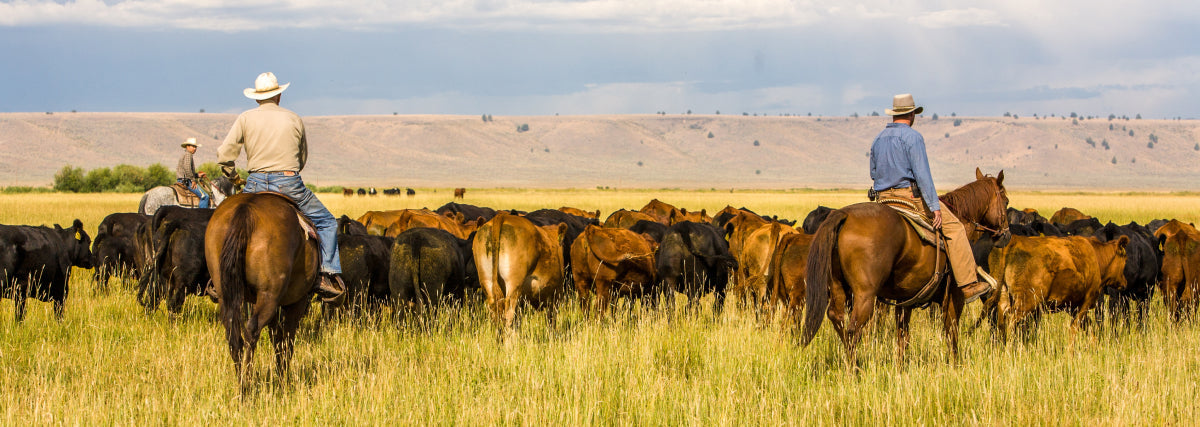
(958, 247)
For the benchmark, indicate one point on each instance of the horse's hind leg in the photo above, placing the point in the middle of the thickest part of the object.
(283, 334)
(862, 309)
(903, 315)
(262, 315)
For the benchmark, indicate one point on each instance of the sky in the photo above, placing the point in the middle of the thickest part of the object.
(574, 57)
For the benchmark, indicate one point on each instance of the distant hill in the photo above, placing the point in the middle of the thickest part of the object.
(644, 151)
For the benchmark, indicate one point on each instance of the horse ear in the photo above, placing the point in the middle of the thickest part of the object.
(1000, 178)
(978, 174)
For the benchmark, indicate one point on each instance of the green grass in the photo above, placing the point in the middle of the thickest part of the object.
(108, 362)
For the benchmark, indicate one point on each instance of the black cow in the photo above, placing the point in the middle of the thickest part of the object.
(372, 192)
(815, 218)
(364, 270)
(1082, 227)
(1142, 265)
(115, 249)
(178, 267)
(653, 228)
(430, 266)
(1017, 216)
(470, 213)
(410, 192)
(694, 258)
(350, 226)
(391, 191)
(36, 262)
(362, 192)
(575, 225)
(1154, 225)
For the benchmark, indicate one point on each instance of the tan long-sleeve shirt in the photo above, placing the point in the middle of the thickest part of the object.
(273, 137)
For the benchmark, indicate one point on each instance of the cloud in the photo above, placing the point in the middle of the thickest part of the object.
(951, 18)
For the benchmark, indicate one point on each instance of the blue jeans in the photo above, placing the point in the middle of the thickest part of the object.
(197, 191)
(326, 224)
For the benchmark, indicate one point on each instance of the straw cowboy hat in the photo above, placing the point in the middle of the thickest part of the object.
(190, 141)
(903, 104)
(265, 87)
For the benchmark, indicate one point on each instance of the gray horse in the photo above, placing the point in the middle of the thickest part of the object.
(164, 195)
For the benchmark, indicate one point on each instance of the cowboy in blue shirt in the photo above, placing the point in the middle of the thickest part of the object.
(900, 169)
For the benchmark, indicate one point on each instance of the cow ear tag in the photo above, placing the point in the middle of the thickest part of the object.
(77, 235)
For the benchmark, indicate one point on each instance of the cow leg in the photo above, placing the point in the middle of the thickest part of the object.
(19, 302)
(1170, 299)
(283, 334)
(1080, 321)
(175, 294)
(903, 315)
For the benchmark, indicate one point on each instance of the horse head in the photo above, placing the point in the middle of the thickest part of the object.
(222, 188)
(983, 204)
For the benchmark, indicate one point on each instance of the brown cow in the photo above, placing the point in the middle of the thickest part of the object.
(580, 212)
(1179, 278)
(786, 283)
(612, 261)
(459, 193)
(519, 262)
(625, 219)
(1054, 273)
(660, 211)
(347, 192)
(1065, 216)
(738, 228)
(755, 261)
(683, 215)
(410, 219)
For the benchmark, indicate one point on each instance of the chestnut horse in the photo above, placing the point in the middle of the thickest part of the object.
(866, 251)
(261, 261)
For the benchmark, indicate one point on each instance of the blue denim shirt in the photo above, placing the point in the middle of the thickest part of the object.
(897, 156)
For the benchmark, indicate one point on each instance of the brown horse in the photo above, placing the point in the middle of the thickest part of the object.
(261, 260)
(866, 251)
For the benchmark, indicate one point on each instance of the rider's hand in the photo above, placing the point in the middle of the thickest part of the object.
(937, 219)
(202, 175)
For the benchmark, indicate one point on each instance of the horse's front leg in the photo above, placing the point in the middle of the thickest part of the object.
(903, 315)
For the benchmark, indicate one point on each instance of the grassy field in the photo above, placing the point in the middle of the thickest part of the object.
(108, 362)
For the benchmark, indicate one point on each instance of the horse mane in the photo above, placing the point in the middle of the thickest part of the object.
(970, 201)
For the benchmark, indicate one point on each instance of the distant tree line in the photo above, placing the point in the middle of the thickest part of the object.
(118, 179)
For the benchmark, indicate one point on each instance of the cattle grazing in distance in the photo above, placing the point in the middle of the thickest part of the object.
(114, 250)
(1179, 278)
(177, 266)
(580, 212)
(612, 262)
(1142, 265)
(786, 282)
(410, 192)
(519, 262)
(429, 267)
(815, 218)
(362, 192)
(1052, 274)
(347, 192)
(622, 218)
(372, 192)
(36, 262)
(394, 191)
(694, 259)
(459, 193)
(1065, 216)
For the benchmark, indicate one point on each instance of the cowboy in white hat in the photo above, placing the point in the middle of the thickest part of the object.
(900, 169)
(276, 151)
(185, 172)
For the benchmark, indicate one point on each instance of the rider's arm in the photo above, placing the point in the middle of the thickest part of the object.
(303, 155)
(919, 162)
(229, 150)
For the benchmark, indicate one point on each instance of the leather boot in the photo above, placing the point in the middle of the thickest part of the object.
(331, 289)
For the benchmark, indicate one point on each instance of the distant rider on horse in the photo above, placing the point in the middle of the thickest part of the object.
(900, 169)
(185, 172)
(276, 151)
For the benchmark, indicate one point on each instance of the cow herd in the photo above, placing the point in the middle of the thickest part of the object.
(420, 260)
(371, 191)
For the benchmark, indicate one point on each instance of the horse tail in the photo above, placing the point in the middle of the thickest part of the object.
(233, 272)
(819, 274)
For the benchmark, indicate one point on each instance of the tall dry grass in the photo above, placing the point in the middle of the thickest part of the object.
(108, 362)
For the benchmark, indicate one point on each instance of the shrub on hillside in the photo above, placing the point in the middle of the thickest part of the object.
(120, 178)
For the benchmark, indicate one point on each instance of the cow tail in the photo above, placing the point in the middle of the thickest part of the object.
(493, 250)
(152, 283)
(819, 274)
(233, 272)
(774, 276)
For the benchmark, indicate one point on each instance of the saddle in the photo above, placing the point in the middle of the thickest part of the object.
(184, 196)
(310, 230)
(922, 224)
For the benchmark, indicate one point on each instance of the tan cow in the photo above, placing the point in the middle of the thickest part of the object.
(660, 211)
(1066, 216)
(611, 262)
(755, 261)
(683, 215)
(519, 262)
(625, 219)
(1179, 278)
(786, 283)
(377, 222)
(580, 212)
(738, 228)
(1054, 273)
(409, 219)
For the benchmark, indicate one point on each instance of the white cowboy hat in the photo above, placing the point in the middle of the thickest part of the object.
(265, 87)
(190, 141)
(903, 104)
